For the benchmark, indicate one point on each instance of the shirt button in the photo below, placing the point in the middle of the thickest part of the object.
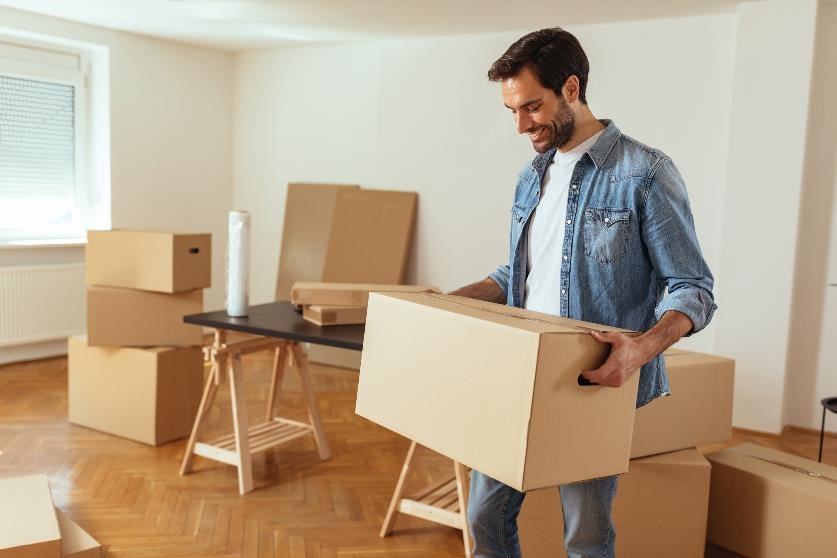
(607, 220)
(563, 291)
(569, 221)
(574, 186)
(565, 257)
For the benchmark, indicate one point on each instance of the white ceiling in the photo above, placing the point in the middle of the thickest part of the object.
(238, 25)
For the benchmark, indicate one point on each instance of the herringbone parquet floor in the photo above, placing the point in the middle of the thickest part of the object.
(132, 499)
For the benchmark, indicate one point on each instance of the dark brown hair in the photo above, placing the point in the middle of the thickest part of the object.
(553, 56)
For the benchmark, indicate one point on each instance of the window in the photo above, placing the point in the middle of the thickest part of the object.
(43, 148)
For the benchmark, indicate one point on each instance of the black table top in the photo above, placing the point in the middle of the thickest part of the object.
(279, 319)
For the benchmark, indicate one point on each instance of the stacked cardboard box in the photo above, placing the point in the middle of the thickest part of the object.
(341, 303)
(344, 233)
(661, 505)
(30, 526)
(139, 370)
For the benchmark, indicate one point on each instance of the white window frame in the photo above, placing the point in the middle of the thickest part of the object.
(29, 60)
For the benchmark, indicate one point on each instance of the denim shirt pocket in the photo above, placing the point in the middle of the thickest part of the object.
(606, 233)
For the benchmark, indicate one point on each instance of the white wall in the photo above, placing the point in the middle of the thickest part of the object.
(420, 115)
(170, 138)
(812, 357)
(761, 201)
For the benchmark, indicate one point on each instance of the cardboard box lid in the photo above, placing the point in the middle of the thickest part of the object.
(816, 479)
(27, 515)
(685, 457)
(690, 358)
(75, 541)
(500, 314)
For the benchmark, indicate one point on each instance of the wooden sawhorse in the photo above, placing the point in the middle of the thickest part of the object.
(238, 448)
(445, 502)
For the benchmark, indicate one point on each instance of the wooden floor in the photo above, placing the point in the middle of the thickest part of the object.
(132, 499)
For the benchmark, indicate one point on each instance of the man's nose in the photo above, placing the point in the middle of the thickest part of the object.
(524, 122)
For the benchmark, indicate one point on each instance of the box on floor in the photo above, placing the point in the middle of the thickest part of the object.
(28, 524)
(766, 503)
(698, 411)
(149, 395)
(119, 317)
(495, 388)
(159, 261)
(660, 511)
(75, 541)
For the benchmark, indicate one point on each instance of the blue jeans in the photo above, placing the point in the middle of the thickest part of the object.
(588, 531)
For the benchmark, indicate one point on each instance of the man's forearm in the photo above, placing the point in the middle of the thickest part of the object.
(666, 332)
(487, 289)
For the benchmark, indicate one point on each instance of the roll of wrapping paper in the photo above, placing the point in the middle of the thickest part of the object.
(238, 263)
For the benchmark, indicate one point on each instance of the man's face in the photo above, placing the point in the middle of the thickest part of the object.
(539, 113)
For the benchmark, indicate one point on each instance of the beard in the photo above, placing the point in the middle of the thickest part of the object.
(561, 128)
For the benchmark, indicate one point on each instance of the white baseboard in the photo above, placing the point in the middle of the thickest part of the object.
(33, 351)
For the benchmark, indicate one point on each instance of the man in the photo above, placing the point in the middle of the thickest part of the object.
(601, 231)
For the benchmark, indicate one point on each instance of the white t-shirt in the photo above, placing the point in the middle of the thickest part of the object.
(546, 232)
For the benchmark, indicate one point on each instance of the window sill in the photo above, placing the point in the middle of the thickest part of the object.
(51, 243)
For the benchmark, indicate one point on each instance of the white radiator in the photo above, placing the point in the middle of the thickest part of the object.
(41, 303)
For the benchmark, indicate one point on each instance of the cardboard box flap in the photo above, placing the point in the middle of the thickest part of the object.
(536, 322)
(682, 457)
(817, 479)
(689, 358)
(75, 541)
(27, 516)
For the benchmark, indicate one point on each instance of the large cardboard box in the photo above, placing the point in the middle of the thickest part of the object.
(659, 511)
(334, 315)
(149, 395)
(75, 542)
(334, 356)
(698, 411)
(494, 387)
(345, 294)
(28, 525)
(766, 503)
(160, 261)
(131, 318)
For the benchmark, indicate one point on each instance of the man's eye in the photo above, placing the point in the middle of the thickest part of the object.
(535, 109)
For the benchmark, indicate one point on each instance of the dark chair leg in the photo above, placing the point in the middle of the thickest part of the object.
(822, 433)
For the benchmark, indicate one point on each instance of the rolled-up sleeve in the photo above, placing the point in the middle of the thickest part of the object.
(501, 277)
(668, 231)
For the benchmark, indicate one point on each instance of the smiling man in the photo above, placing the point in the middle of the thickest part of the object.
(601, 231)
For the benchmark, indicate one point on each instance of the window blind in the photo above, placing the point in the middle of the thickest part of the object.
(37, 152)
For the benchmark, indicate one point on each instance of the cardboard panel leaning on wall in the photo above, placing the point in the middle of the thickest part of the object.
(309, 211)
(371, 236)
(659, 511)
(75, 541)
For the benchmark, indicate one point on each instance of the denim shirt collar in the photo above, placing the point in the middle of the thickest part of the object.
(598, 152)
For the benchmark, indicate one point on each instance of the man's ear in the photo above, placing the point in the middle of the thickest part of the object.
(571, 89)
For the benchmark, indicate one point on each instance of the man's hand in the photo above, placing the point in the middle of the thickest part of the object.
(629, 353)
(626, 355)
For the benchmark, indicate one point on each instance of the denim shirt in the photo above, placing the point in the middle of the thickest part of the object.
(630, 240)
